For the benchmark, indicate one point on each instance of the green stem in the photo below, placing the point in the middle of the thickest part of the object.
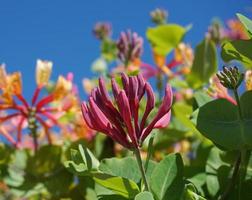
(238, 103)
(149, 153)
(141, 167)
(244, 152)
(35, 141)
(159, 85)
(232, 182)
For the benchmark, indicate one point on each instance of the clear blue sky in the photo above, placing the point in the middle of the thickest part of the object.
(60, 30)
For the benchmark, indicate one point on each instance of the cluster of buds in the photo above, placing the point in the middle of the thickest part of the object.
(230, 77)
(121, 121)
(130, 47)
(159, 16)
(102, 30)
(41, 113)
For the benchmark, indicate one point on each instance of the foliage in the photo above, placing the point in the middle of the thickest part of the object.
(193, 144)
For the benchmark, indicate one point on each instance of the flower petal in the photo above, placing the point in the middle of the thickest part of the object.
(163, 110)
(149, 105)
(124, 109)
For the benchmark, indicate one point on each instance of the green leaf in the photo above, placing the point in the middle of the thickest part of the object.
(45, 161)
(118, 185)
(144, 196)
(202, 98)
(167, 178)
(190, 193)
(182, 112)
(204, 64)
(247, 23)
(89, 159)
(217, 170)
(239, 50)
(218, 120)
(108, 50)
(164, 38)
(124, 167)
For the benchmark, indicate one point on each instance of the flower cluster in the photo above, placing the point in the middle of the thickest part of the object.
(130, 47)
(119, 119)
(41, 113)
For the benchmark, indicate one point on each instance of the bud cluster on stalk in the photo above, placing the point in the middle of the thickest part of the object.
(230, 77)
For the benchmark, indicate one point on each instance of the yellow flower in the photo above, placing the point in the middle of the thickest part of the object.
(63, 86)
(248, 79)
(3, 76)
(14, 83)
(43, 72)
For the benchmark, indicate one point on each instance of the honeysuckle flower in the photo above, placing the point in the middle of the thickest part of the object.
(183, 55)
(102, 30)
(159, 16)
(119, 119)
(248, 79)
(40, 113)
(63, 86)
(130, 47)
(235, 30)
(217, 90)
(43, 72)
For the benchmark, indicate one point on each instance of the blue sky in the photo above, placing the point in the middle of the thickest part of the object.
(60, 30)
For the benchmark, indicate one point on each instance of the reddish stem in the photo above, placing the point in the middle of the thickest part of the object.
(46, 100)
(49, 116)
(7, 136)
(3, 119)
(36, 94)
(22, 99)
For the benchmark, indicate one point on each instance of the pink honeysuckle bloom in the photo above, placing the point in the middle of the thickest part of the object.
(217, 90)
(121, 120)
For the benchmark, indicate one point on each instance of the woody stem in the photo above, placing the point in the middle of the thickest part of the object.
(141, 167)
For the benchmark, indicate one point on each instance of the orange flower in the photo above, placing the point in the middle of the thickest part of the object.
(184, 54)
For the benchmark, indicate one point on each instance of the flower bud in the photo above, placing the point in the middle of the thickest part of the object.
(102, 30)
(43, 72)
(3, 76)
(248, 79)
(130, 47)
(159, 16)
(230, 78)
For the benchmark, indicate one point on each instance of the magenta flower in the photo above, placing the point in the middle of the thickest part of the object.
(120, 120)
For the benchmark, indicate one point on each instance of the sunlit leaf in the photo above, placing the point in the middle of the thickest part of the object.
(204, 64)
(164, 38)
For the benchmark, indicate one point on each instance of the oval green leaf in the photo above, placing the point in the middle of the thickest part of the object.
(167, 178)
